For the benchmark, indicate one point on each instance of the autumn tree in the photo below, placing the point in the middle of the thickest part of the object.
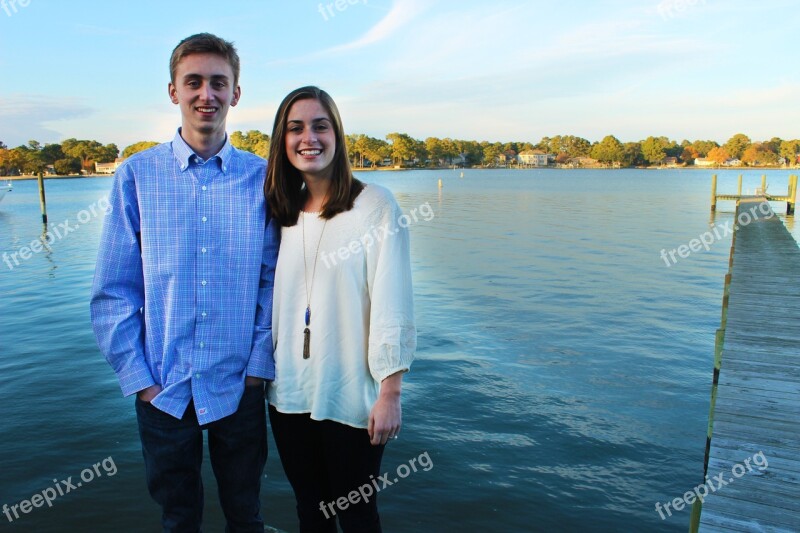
(719, 155)
(689, 154)
(759, 154)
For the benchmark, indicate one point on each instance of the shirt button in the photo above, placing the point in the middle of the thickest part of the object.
(204, 219)
(203, 283)
(203, 250)
(197, 375)
(204, 187)
(203, 314)
(202, 345)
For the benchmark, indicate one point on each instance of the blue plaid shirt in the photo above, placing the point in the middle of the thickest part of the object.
(182, 293)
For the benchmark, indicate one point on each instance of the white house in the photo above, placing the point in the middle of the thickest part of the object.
(108, 168)
(535, 158)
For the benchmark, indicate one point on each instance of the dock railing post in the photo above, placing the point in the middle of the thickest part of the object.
(714, 192)
(764, 184)
(739, 188)
(42, 201)
(792, 195)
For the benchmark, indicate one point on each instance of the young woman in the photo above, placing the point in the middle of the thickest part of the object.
(343, 324)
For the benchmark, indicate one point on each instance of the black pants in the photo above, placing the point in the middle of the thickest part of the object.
(173, 453)
(331, 467)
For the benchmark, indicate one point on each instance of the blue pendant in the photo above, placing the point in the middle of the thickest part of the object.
(308, 315)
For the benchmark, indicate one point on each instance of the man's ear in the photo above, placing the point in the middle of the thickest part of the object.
(173, 93)
(236, 95)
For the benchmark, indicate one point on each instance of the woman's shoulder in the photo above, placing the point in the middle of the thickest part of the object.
(374, 196)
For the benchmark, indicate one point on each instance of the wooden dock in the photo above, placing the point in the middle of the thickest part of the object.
(755, 401)
(790, 197)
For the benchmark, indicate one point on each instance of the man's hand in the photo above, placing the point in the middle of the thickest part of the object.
(147, 395)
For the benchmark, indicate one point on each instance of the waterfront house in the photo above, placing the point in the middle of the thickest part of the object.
(535, 158)
(704, 162)
(108, 168)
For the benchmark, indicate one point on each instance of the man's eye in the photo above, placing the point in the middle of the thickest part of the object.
(219, 85)
(193, 83)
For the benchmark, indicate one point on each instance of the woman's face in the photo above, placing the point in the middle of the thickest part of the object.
(310, 139)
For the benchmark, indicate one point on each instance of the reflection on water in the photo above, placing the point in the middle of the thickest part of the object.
(563, 370)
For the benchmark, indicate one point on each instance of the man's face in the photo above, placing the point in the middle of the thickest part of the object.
(204, 88)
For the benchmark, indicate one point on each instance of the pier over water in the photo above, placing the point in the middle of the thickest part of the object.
(755, 401)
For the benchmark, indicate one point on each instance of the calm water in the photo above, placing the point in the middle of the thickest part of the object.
(563, 372)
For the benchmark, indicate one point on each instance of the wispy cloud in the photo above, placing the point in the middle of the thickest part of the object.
(28, 116)
(400, 15)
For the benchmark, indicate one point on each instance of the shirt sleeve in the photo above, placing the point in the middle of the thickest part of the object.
(118, 288)
(262, 361)
(392, 334)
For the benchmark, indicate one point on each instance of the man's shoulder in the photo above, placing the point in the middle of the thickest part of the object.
(249, 158)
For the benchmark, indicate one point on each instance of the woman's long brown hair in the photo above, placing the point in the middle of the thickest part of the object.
(284, 187)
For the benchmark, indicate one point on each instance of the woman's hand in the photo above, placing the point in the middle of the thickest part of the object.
(386, 416)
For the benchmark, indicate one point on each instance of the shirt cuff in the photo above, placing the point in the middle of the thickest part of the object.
(261, 364)
(135, 377)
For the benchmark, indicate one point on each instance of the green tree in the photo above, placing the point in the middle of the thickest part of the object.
(253, 141)
(632, 155)
(90, 152)
(402, 148)
(609, 150)
(704, 147)
(737, 144)
(67, 166)
(52, 153)
(135, 148)
(790, 150)
(491, 151)
(376, 150)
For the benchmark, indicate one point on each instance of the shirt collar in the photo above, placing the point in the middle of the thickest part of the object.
(184, 153)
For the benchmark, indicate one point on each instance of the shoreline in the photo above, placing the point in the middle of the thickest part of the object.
(439, 169)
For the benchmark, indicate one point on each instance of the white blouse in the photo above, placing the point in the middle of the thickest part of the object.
(362, 312)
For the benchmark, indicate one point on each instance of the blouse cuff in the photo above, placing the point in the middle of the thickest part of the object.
(386, 359)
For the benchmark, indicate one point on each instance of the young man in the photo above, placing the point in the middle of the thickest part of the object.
(182, 297)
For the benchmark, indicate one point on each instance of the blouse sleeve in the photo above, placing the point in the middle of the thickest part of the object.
(392, 334)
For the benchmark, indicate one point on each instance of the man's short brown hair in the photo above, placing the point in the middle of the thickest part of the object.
(205, 43)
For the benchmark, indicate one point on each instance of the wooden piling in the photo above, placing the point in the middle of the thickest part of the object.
(792, 195)
(714, 192)
(739, 188)
(763, 184)
(42, 201)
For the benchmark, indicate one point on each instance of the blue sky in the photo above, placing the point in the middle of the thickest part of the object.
(471, 69)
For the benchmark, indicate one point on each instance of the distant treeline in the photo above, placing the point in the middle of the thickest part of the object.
(73, 155)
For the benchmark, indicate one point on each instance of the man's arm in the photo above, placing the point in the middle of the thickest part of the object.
(262, 363)
(118, 288)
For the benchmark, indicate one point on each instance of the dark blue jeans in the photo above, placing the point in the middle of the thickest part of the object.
(325, 462)
(173, 453)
